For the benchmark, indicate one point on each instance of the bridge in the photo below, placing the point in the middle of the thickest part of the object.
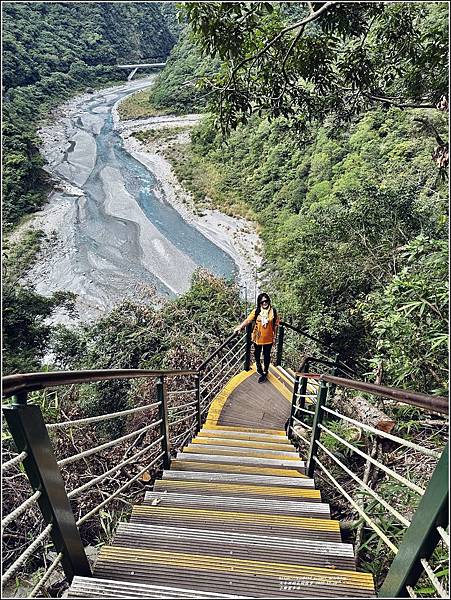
(233, 510)
(135, 67)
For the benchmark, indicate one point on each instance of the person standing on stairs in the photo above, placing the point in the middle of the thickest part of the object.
(265, 320)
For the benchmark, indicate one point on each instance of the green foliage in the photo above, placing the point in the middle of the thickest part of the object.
(19, 257)
(322, 58)
(333, 211)
(409, 316)
(139, 106)
(176, 89)
(26, 332)
(179, 335)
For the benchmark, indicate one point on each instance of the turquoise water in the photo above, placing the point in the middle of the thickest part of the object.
(141, 185)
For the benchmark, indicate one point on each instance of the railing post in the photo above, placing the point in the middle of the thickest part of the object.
(317, 420)
(247, 357)
(335, 369)
(28, 430)
(293, 406)
(198, 404)
(421, 537)
(280, 345)
(303, 388)
(164, 426)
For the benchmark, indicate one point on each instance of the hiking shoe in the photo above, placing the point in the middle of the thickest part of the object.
(262, 378)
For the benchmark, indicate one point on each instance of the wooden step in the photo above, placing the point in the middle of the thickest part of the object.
(231, 489)
(279, 463)
(251, 444)
(93, 587)
(298, 481)
(243, 577)
(273, 435)
(239, 504)
(233, 451)
(265, 524)
(191, 465)
(237, 545)
(251, 430)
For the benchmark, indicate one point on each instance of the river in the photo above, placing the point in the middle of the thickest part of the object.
(111, 232)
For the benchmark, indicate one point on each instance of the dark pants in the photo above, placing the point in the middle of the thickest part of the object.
(266, 356)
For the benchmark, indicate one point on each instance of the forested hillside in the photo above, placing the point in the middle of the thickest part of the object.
(353, 214)
(50, 51)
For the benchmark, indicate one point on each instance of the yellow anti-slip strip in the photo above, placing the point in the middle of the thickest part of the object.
(201, 562)
(248, 431)
(236, 488)
(197, 514)
(220, 467)
(220, 399)
(249, 453)
(286, 394)
(240, 436)
(277, 373)
(245, 444)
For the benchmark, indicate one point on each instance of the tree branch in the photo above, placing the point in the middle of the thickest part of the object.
(396, 103)
(312, 17)
(432, 128)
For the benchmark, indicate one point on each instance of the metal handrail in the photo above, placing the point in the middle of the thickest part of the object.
(313, 359)
(118, 491)
(74, 559)
(70, 459)
(435, 403)
(325, 346)
(433, 579)
(100, 418)
(307, 335)
(384, 434)
(413, 486)
(438, 404)
(209, 358)
(29, 382)
(363, 485)
(86, 486)
(356, 507)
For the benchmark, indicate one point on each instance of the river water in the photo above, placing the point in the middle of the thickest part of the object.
(114, 234)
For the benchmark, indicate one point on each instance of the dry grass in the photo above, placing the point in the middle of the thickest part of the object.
(139, 106)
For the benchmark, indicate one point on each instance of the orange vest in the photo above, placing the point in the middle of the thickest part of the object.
(263, 335)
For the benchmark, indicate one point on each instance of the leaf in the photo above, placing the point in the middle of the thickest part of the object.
(145, 476)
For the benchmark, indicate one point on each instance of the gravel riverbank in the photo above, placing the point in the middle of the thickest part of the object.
(236, 236)
(100, 243)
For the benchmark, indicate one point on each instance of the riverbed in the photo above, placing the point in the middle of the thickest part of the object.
(116, 226)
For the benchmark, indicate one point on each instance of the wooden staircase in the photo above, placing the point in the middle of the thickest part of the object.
(234, 517)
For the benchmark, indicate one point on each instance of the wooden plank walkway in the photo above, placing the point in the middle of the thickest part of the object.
(234, 517)
(255, 405)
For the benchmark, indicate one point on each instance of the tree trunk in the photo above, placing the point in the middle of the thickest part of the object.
(359, 409)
